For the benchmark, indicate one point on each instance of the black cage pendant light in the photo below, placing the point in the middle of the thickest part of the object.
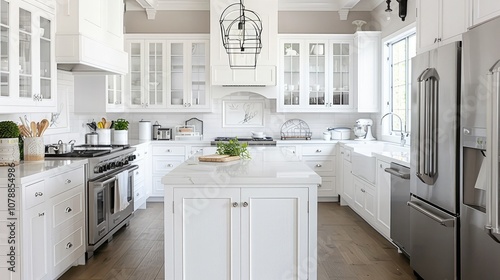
(241, 31)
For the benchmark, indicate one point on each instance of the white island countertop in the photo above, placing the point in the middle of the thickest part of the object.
(29, 171)
(268, 165)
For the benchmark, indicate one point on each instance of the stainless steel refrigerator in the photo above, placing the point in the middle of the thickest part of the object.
(434, 183)
(480, 209)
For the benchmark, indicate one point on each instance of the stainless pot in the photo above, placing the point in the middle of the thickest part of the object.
(92, 138)
(65, 148)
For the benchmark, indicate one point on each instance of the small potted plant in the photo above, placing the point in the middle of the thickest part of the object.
(120, 133)
(9, 143)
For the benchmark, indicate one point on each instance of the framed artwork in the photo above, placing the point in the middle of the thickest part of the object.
(243, 113)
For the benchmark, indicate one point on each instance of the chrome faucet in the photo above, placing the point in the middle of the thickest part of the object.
(403, 134)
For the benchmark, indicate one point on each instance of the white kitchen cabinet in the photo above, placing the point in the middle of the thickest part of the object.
(188, 82)
(168, 73)
(383, 186)
(347, 179)
(483, 10)
(36, 262)
(240, 233)
(99, 94)
(90, 36)
(440, 22)
(366, 70)
(365, 200)
(165, 157)
(315, 73)
(28, 69)
(142, 176)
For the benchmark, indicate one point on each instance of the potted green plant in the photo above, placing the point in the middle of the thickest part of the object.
(120, 132)
(9, 143)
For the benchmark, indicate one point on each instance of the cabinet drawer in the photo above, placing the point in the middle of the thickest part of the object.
(34, 194)
(139, 174)
(169, 150)
(139, 191)
(158, 187)
(324, 166)
(327, 187)
(68, 207)
(65, 181)
(68, 248)
(318, 150)
(162, 164)
(141, 153)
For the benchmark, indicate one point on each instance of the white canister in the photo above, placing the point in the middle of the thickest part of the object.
(104, 136)
(326, 135)
(120, 137)
(144, 130)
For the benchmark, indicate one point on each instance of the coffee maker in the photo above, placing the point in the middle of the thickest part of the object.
(363, 130)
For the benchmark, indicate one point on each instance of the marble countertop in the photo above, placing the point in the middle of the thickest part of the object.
(268, 166)
(29, 171)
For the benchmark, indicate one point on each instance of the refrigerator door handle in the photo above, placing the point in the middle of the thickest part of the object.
(428, 92)
(492, 152)
(443, 222)
(394, 172)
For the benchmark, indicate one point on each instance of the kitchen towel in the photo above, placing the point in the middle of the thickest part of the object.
(121, 191)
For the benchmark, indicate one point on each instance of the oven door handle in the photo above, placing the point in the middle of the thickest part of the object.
(105, 181)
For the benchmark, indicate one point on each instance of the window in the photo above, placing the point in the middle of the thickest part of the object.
(399, 51)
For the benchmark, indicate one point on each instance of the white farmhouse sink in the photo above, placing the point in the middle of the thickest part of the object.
(363, 158)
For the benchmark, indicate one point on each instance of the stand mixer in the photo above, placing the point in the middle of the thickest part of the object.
(363, 130)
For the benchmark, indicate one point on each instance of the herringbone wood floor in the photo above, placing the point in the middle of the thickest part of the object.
(348, 249)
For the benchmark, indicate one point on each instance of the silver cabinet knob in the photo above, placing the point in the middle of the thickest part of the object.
(363, 190)
(68, 181)
(37, 194)
(170, 165)
(68, 209)
(235, 204)
(245, 204)
(319, 185)
(169, 151)
(318, 151)
(319, 165)
(69, 245)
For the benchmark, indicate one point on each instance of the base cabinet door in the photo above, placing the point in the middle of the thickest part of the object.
(383, 198)
(274, 233)
(364, 199)
(348, 187)
(240, 233)
(36, 243)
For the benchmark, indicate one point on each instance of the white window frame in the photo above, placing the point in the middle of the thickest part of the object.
(386, 133)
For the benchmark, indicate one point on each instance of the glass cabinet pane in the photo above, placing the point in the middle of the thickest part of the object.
(177, 74)
(136, 83)
(118, 89)
(291, 74)
(317, 75)
(341, 74)
(198, 70)
(155, 72)
(4, 48)
(25, 48)
(110, 89)
(45, 59)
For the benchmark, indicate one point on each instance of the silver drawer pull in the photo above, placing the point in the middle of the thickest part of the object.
(170, 165)
(169, 151)
(37, 194)
(68, 209)
(245, 204)
(363, 190)
(318, 151)
(137, 194)
(319, 185)
(68, 181)
(41, 214)
(319, 165)
(235, 204)
(69, 245)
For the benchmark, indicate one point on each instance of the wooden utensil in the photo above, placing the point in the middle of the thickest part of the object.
(44, 124)
(37, 129)
(33, 129)
(24, 131)
(218, 158)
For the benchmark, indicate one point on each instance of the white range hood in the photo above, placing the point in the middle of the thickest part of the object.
(262, 79)
(89, 37)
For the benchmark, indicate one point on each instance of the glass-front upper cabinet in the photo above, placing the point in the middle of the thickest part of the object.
(135, 76)
(156, 73)
(189, 74)
(27, 62)
(315, 73)
(114, 92)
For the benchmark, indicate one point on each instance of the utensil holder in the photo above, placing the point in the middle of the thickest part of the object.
(104, 136)
(34, 149)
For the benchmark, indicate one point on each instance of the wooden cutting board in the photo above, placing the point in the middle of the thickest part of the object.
(218, 158)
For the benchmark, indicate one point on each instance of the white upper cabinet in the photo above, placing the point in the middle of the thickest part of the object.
(90, 36)
(367, 70)
(27, 66)
(440, 22)
(168, 73)
(483, 10)
(316, 73)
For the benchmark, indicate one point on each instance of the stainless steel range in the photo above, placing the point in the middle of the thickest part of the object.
(110, 187)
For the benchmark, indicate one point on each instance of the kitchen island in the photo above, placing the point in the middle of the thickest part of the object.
(246, 219)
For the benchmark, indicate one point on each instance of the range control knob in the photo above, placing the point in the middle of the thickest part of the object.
(108, 166)
(104, 168)
(131, 157)
(125, 162)
(113, 165)
(120, 164)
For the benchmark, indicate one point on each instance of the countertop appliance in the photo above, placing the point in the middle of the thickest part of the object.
(479, 210)
(156, 126)
(400, 213)
(164, 133)
(267, 141)
(108, 166)
(363, 130)
(434, 211)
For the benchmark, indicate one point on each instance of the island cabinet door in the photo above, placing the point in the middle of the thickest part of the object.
(274, 233)
(206, 233)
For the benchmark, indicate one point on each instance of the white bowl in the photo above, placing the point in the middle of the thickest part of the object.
(258, 134)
